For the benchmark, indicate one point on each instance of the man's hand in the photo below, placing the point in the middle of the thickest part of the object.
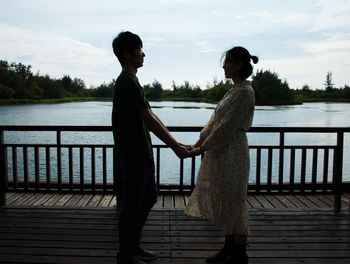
(182, 152)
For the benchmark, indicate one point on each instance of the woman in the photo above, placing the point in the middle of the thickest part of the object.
(221, 188)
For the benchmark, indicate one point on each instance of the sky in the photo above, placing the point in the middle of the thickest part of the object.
(300, 40)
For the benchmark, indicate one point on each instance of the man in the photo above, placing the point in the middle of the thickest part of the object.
(132, 119)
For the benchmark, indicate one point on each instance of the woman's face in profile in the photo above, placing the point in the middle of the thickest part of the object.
(230, 67)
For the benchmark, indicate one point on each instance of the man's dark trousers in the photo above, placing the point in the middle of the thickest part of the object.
(139, 194)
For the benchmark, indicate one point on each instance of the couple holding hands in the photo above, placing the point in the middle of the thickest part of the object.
(221, 187)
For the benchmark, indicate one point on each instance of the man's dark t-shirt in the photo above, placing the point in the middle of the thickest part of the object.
(131, 136)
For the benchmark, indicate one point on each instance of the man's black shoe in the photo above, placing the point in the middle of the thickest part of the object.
(129, 260)
(145, 255)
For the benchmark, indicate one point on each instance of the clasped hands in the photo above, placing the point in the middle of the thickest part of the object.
(185, 151)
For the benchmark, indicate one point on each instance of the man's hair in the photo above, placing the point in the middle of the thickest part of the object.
(125, 41)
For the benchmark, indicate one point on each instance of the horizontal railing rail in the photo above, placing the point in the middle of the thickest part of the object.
(57, 166)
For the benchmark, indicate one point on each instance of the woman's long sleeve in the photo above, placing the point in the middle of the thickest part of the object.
(207, 128)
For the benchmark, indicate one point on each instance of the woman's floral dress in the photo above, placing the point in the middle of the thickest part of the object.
(221, 189)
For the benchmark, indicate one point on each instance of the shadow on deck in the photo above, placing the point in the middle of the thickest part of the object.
(89, 235)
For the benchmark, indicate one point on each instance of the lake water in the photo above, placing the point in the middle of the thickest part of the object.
(175, 114)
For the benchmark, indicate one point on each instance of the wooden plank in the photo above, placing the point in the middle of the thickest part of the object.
(13, 198)
(186, 196)
(325, 202)
(264, 202)
(272, 253)
(95, 200)
(297, 200)
(85, 199)
(345, 201)
(249, 205)
(252, 260)
(9, 195)
(254, 202)
(53, 200)
(264, 246)
(159, 203)
(42, 199)
(305, 199)
(329, 199)
(283, 200)
(179, 201)
(297, 203)
(74, 200)
(106, 200)
(20, 199)
(56, 259)
(32, 200)
(276, 203)
(169, 201)
(317, 201)
(113, 202)
(64, 199)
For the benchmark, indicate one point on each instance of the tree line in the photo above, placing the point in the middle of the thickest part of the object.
(18, 82)
(329, 94)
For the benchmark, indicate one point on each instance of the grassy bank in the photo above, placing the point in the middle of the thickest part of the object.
(326, 100)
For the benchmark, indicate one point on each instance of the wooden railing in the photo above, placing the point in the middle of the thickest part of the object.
(53, 166)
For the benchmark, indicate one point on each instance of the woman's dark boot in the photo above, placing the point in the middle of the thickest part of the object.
(224, 253)
(239, 254)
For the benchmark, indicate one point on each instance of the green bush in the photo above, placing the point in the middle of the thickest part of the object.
(6, 92)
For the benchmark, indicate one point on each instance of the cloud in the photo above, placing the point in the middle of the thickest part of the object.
(300, 39)
(332, 15)
(204, 47)
(267, 18)
(219, 14)
(319, 56)
(333, 43)
(54, 54)
(310, 69)
(167, 2)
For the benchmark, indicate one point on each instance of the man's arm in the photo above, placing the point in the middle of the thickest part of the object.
(158, 128)
(188, 147)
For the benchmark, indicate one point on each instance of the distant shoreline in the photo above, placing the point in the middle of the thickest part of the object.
(106, 99)
(52, 101)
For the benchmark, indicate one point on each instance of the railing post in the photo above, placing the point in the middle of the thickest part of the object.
(158, 167)
(3, 170)
(281, 162)
(181, 175)
(338, 171)
(59, 160)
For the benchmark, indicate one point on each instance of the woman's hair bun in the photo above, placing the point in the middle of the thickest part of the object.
(255, 59)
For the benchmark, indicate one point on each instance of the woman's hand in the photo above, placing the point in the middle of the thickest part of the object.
(188, 147)
(196, 151)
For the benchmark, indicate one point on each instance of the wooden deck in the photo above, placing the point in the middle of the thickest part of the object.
(67, 228)
(89, 235)
(173, 201)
